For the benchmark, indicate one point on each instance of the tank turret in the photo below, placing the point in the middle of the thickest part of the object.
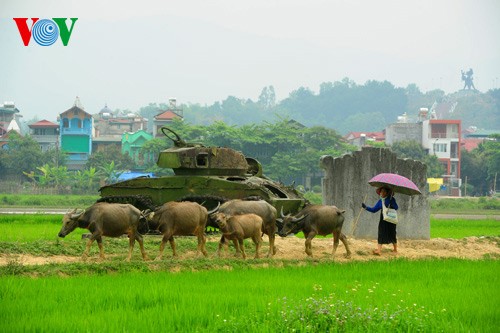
(196, 159)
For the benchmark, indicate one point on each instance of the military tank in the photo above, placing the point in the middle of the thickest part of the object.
(207, 175)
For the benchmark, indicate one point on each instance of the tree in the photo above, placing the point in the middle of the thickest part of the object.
(109, 172)
(489, 152)
(23, 155)
(267, 98)
(85, 180)
(474, 170)
(107, 155)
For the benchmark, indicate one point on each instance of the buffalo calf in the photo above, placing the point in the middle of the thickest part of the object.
(261, 208)
(239, 227)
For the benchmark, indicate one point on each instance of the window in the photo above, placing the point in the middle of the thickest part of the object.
(454, 169)
(440, 147)
(438, 131)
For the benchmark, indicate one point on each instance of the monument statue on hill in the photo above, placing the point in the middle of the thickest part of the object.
(467, 78)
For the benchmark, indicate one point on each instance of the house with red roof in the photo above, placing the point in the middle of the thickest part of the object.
(164, 119)
(110, 127)
(46, 133)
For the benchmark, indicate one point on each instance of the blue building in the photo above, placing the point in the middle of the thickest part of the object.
(75, 130)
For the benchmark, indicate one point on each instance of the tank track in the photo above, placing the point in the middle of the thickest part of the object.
(141, 202)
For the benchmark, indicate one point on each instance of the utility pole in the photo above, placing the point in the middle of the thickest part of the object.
(495, 184)
(465, 187)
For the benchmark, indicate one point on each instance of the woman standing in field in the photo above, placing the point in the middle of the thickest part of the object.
(386, 230)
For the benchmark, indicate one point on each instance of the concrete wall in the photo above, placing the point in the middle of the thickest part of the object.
(345, 185)
(403, 132)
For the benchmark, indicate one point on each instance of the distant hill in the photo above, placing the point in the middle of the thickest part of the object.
(346, 106)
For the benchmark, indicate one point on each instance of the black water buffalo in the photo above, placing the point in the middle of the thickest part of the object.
(106, 219)
(258, 207)
(316, 220)
(239, 227)
(180, 219)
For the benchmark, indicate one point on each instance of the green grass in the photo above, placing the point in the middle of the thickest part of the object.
(32, 227)
(37, 234)
(42, 200)
(459, 205)
(481, 205)
(426, 296)
(227, 295)
(460, 228)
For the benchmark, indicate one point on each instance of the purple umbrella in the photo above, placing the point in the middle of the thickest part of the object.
(397, 183)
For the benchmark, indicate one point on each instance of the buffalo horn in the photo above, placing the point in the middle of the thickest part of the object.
(75, 216)
(300, 218)
(281, 213)
(215, 209)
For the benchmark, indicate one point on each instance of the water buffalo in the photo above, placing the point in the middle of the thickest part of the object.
(259, 207)
(239, 227)
(106, 219)
(180, 219)
(316, 220)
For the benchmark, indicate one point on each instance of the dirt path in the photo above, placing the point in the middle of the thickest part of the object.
(292, 248)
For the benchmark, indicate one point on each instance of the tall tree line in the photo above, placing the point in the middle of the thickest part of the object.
(346, 106)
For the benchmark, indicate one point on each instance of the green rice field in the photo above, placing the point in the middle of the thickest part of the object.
(234, 295)
(29, 228)
(397, 296)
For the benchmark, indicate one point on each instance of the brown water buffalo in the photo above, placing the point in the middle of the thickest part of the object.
(106, 219)
(258, 207)
(239, 227)
(316, 220)
(180, 219)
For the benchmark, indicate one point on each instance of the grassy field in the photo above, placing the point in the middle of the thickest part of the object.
(481, 205)
(228, 295)
(41, 228)
(460, 228)
(41, 200)
(424, 296)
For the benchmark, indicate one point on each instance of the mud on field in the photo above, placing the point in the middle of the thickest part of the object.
(292, 248)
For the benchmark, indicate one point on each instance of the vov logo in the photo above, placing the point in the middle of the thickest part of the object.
(45, 32)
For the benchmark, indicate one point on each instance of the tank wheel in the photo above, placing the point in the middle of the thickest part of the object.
(141, 202)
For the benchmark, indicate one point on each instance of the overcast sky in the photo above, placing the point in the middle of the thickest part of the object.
(130, 53)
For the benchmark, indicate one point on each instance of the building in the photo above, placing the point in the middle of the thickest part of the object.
(442, 138)
(46, 133)
(473, 136)
(360, 139)
(132, 143)
(166, 117)
(439, 137)
(109, 128)
(8, 113)
(108, 124)
(75, 135)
